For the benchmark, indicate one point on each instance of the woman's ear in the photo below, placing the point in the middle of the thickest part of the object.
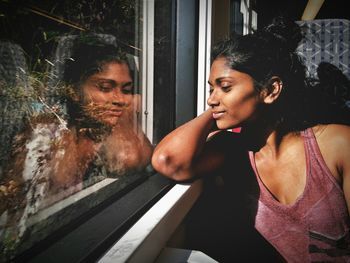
(271, 93)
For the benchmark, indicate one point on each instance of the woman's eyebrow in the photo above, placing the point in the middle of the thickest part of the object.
(102, 79)
(113, 82)
(217, 81)
(128, 83)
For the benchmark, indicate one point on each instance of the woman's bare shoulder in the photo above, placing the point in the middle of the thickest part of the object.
(332, 133)
(334, 142)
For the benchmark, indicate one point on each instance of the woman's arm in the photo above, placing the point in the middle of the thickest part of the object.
(345, 164)
(184, 154)
(346, 184)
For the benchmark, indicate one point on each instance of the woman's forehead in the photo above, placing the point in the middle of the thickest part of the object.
(120, 69)
(220, 67)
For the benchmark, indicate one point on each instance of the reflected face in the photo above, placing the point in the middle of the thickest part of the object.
(108, 94)
(233, 98)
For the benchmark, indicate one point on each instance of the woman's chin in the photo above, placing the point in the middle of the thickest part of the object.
(222, 125)
(110, 123)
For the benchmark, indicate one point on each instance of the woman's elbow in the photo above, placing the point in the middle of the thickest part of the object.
(161, 162)
(165, 165)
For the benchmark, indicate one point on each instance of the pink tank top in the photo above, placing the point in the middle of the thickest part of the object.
(316, 228)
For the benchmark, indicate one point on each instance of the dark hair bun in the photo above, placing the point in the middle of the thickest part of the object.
(286, 31)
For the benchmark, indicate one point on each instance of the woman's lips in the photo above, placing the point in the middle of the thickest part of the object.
(116, 113)
(217, 115)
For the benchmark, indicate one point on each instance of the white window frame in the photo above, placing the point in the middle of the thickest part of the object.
(249, 17)
(147, 66)
(204, 47)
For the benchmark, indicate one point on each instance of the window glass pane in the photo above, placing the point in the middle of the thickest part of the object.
(70, 121)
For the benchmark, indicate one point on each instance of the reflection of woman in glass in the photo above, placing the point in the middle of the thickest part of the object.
(102, 110)
(100, 138)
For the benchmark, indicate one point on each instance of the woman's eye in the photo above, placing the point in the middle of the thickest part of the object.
(105, 87)
(129, 89)
(226, 88)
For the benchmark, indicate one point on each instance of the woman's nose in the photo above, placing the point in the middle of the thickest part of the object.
(118, 98)
(213, 99)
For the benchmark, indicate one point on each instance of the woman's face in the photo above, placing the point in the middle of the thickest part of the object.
(107, 95)
(233, 99)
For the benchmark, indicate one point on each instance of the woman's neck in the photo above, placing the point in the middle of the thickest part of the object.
(262, 135)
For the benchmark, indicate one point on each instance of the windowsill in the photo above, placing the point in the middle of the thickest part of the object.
(148, 236)
(176, 255)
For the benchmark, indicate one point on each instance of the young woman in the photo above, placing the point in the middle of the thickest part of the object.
(101, 138)
(299, 161)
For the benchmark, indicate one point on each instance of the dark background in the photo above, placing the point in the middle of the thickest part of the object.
(294, 9)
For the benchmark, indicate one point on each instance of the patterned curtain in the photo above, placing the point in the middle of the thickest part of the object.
(326, 40)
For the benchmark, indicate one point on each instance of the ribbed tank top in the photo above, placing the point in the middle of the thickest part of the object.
(316, 227)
